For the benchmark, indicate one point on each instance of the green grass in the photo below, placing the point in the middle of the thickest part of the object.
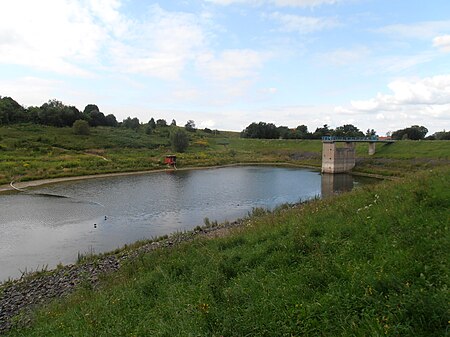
(373, 262)
(30, 152)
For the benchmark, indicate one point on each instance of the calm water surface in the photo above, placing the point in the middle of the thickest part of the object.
(57, 221)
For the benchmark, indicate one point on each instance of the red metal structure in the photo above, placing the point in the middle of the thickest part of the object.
(170, 160)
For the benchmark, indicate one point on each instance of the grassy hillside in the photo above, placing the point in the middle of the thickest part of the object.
(373, 262)
(29, 152)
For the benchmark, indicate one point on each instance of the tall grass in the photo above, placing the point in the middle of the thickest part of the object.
(373, 262)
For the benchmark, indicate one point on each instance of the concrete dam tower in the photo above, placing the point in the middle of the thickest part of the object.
(338, 159)
(339, 153)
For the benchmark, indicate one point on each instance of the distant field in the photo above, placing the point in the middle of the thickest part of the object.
(29, 152)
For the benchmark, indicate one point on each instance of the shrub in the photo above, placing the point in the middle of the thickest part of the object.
(81, 127)
(179, 140)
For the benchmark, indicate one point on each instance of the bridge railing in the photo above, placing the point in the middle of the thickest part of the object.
(349, 139)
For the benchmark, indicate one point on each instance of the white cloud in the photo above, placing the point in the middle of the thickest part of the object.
(269, 91)
(207, 124)
(397, 64)
(305, 3)
(55, 35)
(106, 10)
(162, 45)
(302, 24)
(425, 101)
(230, 2)
(280, 3)
(70, 37)
(442, 42)
(345, 56)
(421, 30)
(231, 64)
(430, 91)
(29, 91)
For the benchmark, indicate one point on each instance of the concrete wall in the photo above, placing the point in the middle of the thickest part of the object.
(338, 159)
(372, 148)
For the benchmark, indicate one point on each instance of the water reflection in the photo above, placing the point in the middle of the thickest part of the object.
(333, 184)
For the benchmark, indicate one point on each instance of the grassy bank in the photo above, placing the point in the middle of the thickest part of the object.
(30, 152)
(373, 262)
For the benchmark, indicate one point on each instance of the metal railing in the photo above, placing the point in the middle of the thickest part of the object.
(350, 139)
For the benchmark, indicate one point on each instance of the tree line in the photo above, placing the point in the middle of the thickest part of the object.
(271, 131)
(56, 113)
(52, 113)
(263, 130)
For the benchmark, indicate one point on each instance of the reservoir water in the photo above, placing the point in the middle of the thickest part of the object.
(53, 223)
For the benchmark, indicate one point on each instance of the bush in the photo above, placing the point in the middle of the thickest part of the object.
(179, 140)
(81, 127)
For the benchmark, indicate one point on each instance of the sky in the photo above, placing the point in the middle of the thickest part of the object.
(378, 64)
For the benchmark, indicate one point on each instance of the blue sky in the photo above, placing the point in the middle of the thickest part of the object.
(226, 63)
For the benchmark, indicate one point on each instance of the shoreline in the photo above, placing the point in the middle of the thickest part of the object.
(18, 186)
(32, 290)
(22, 295)
(46, 181)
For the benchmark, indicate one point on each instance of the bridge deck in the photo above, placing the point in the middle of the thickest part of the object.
(332, 139)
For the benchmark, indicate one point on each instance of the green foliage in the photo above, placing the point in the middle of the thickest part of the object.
(414, 132)
(179, 140)
(373, 262)
(441, 135)
(190, 126)
(151, 124)
(261, 130)
(323, 131)
(49, 152)
(81, 127)
(348, 130)
(264, 130)
(11, 111)
(55, 113)
(131, 123)
(161, 123)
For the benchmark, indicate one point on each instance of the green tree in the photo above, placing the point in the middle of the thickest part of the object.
(179, 140)
(323, 131)
(261, 130)
(131, 123)
(148, 129)
(301, 132)
(90, 108)
(414, 132)
(81, 127)
(441, 135)
(11, 111)
(55, 113)
(151, 124)
(190, 126)
(33, 114)
(97, 118)
(111, 120)
(285, 132)
(348, 130)
(161, 123)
